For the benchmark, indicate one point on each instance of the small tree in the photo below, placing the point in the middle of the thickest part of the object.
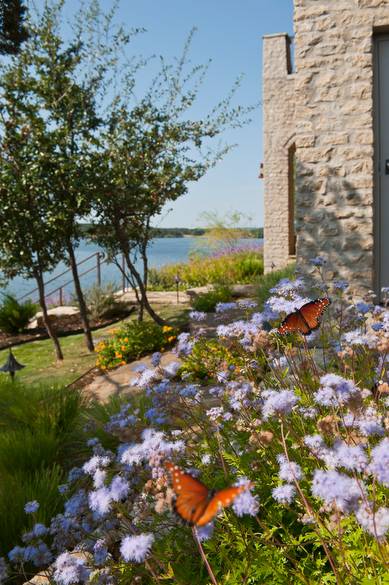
(28, 243)
(151, 153)
(56, 80)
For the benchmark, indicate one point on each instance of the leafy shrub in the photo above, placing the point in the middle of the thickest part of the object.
(206, 302)
(131, 341)
(14, 316)
(102, 302)
(232, 267)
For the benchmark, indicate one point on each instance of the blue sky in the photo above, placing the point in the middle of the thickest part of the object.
(230, 33)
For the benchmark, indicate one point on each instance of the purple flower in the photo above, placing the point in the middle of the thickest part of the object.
(341, 285)
(16, 555)
(245, 503)
(363, 308)
(278, 402)
(238, 394)
(77, 504)
(284, 494)
(70, 569)
(335, 391)
(100, 501)
(289, 470)
(31, 507)
(156, 359)
(100, 552)
(74, 474)
(377, 523)
(171, 369)
(39, 530)
(184, 344)
(38, 554)
(247, 304)
(351, 457)
(314, 442)
(379, 465)
(370, 423)
(197, 315)
(119, 488)
(358, 338)
(189, 391)
(136, 548)
(153, 443)
(146, 377)
(95, 463)
(318, 261)
(99, 478)
(205, 532)
(223, 307)
(337, 489)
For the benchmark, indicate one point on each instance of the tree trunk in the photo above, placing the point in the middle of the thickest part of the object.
(80, 298)
(46, 319)
(142, 290)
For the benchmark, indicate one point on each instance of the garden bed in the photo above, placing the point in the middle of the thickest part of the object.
(65, 325)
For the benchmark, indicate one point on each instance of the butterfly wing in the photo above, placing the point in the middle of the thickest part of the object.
(192, 496)
(305, 319)
(222, 499)
(294, 323)
(313, 311)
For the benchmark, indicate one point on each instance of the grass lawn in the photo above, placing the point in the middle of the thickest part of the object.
(39, 357)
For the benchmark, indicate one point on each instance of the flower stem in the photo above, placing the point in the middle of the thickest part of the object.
(202, 553)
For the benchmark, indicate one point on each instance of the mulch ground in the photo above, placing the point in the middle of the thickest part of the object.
(64, 325)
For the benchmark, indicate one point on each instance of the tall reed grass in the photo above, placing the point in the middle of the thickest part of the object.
(41, 437)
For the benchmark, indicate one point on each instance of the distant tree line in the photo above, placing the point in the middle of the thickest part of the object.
(249, 232)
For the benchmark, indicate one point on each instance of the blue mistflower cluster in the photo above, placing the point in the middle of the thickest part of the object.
(302, 421)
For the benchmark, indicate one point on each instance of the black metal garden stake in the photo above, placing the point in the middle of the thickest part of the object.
(11, 365)
(177, 281)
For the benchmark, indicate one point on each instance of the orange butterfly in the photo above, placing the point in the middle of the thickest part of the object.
(195, 503)
(305, 319)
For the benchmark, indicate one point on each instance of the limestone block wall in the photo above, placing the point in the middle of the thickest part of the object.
(279, 128)
(334, 134)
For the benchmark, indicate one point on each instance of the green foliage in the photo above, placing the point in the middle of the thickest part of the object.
(223, 232)
(102, 302)
(40, 430)
(14, 316)
(231, 267)
(12, 29)
(269, 280)
(206, 302)
(131, 341)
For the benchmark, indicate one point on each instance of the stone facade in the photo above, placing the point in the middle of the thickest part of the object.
(333, 123)
(279, 132)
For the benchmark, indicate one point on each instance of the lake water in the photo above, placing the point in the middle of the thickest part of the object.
(162, 251)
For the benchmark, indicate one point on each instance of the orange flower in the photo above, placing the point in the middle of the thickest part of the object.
(118, 355)
(167, 328)
(171, 338)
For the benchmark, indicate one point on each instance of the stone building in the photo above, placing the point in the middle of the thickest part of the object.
(326, 141)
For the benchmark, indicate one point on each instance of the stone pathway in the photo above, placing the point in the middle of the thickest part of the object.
(119, 381)
(185, 297)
